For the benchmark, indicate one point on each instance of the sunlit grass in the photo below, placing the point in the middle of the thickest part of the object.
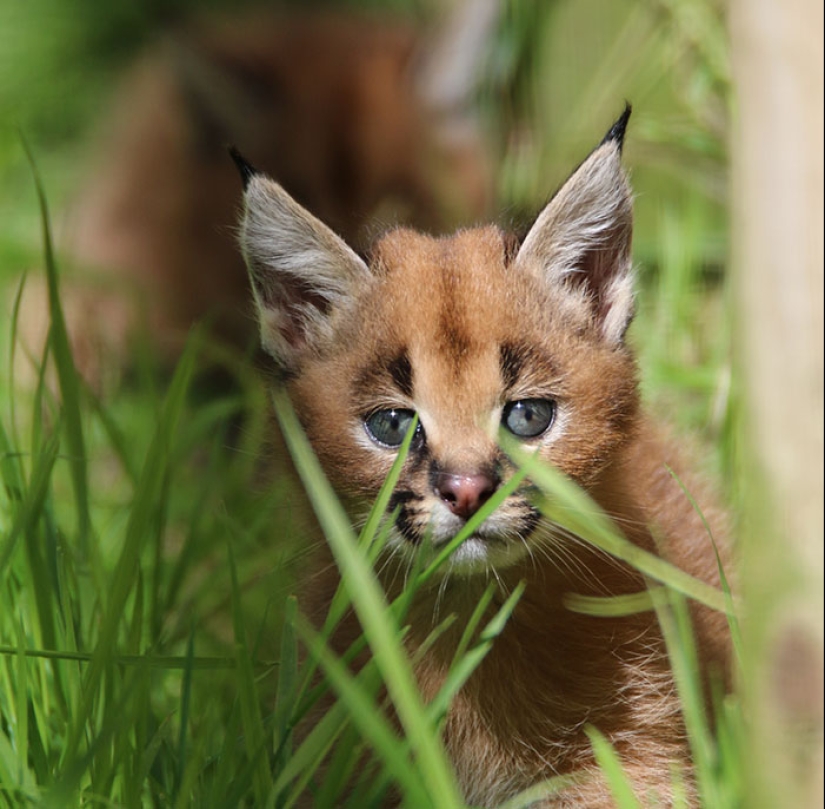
(111, 690)
(150, 651)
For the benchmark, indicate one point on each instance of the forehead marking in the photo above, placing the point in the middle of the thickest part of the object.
(454, 340)
(380, 373)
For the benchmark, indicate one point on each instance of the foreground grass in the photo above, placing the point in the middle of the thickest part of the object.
(107, 698)
(149, 648)
(150, 651)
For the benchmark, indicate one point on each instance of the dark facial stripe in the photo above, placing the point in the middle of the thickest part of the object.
(382, 374)
(405, 520)
(511, 360)
(455, 343)
(522, 362)
(401, 372)
(402, 498)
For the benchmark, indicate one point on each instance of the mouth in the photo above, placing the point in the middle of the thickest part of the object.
(500, 541)
(486, 553)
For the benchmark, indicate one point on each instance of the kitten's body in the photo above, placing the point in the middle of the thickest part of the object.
(473, 333)
(522, 716)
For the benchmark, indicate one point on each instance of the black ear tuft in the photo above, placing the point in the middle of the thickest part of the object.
(617, 131)
(246, 169)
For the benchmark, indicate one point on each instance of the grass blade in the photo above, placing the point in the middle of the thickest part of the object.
(612, 770)
(369, 719)
(186, 697)
(66, 372)
(371, 608)
(287, 682)
(31, 507)
(733, 622)
(139, 527)
(572, 508)
(248, 695)
(674, 618)
(466, 662)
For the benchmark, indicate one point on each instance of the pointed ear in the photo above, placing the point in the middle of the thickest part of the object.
(299, 269)
(581, 240)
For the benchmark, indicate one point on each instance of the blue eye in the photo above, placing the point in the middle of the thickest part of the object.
(388, 427)
(528, 418)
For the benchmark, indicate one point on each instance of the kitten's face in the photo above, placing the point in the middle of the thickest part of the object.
(451, 330)
(473, 333)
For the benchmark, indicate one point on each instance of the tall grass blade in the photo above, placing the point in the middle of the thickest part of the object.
(536, 794)
(15, 317)
(306, 759)
(674, 618)
(370, 606)
(285, 701)
(612, 770)
(349, 755)
(66, 373)
(30, 508)
(139, 527)
(371, 722)
(370, 537)
(21, 723)
(253, 726)
(733, 621)
(186, 698)
(572, 508)
(466, 662)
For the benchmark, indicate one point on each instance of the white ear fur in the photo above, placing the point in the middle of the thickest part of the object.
(299, 269)
(582, 238)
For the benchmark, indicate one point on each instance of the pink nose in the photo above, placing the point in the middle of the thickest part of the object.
(464, 494)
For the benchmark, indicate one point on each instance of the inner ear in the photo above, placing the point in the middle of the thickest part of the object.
(581, 240)
(603, 269)
(299, 269)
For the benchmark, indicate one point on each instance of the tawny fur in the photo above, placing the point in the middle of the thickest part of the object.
(453, 329)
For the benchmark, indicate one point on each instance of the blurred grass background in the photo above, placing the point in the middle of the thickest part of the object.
(161, 721)
(557, 74)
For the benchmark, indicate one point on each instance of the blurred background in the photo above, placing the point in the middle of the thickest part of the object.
(442, 114)
(519, 108)
(552, 77)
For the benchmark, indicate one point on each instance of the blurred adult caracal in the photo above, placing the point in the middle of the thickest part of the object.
(343, 108)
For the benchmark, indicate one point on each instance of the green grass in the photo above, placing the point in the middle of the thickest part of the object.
(150, 650)
(147, 661)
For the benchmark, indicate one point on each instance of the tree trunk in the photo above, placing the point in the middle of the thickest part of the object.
(777, 157)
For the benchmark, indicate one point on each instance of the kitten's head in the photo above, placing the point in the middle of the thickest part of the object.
(475, 333)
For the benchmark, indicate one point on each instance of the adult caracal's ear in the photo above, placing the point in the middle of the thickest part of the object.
(299, 269)
(582, 237)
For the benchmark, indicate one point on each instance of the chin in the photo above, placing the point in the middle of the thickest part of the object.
(476, 556)
(483, 555)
